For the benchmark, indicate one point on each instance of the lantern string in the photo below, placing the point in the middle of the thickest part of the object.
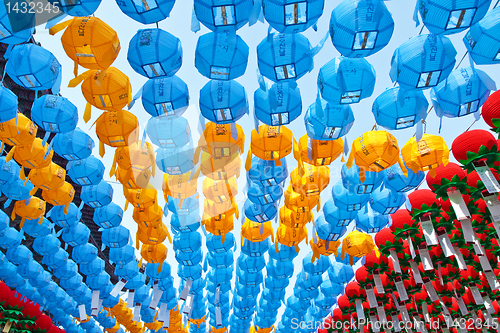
(423, 26)
(463, 57)
(496, 4)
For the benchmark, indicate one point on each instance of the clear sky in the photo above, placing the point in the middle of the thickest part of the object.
(179, 24)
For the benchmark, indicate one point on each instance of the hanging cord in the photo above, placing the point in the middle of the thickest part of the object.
(496, 4)
(467, 52)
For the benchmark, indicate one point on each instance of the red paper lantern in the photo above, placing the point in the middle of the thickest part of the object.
(402, 224)
(43, 323)
(475, 145)
(5, 293)
(491, 109)
(423, 201)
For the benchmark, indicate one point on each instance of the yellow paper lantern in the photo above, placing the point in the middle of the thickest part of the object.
(323, 247)
(141, 198)
(294, 219)
(151, 216)
(358, 244)
(32, 211)
(219, 140)
(374, 151)
(33, 156)
(226, 208)
(18, 132)
(219, 190)
(152, 235)
(48, 177)
(154, 254)
(290, 236)
(301, 202)
(116, 129)
(270, 143)
(219, 225)
(60, 196)
(180, 186)
(89, 42)
(136, 155)
(427, 154)
(310, 180)
(220, 168)
(133, 177)
(256, 232)
(319, 152)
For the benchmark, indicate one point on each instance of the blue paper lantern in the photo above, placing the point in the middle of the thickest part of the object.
(451, 17)
(78, 8)
(396, 108)
(330, 288)
(360, 28)
(308, 281)
(24, 24)
(223, 16)
(327, 121)
(122, 255)
(10, 238)
(263, 195)
(30, 269)
(8, 269)
(463, 92)
(267, 172)
(223, 102)
(57, 259)
(55, 114)
(396, 180)
(17, 190)
(166, 96)
(115, 237)
(220, 260)
(73, 283)
(67, 270)
(278, 105)
(148, 11)
(335, 216)
(97, 195)
(74, 145)
(136, 282)
(19, 255)
(88, 171)
(348, 201)
(191, 225)
(249, 279)
(386, 201)
(351, 181)
(284, 57)
(251, 264)
(33, 67)
(422, 62)
(305, 294)
(284, 253)
(370, 221)
(340, 273)
(77, 234)
(99, 282)
(290, 16)
(57, 215)
(187, 242)
(14, 281)
(155, 53)
(255, 249)
(37, 228)
(9, 171)
(482, 40)
(175, 161)
(189, 258)
(93, 268)
(108, 216)
(8, 104)
(169, 132)
(154, 272)
(220, 244)
(327, 231)
(189, 272)
(260, 213)
(4, 221)
(346, 80)
(221, 56)
(127, 271)
(278, 270)
(84, 254)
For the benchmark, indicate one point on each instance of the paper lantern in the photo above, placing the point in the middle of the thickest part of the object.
(290, 236)
(116, 129)
(78, 9)
(326, 121)
(9, 103)
(55, 114)
(145, 57)
(278, 105)
(152, 235)
(336, 216)
(60, 196)
(84, 254)
(449, 17)
(299, 202)
(18, 132)
(294, 59)
(108, 216)
(270, 143)
(348, 201)
(370, 221)
(358, 182)
(9, 171)
(37, 155)
(141, 198)
(22, 29)
(88, 171)
(327, 231)
(427, 154)
(313, 180)
(17, 190)
(115, 237)
(258, 213)
(374, 151)
(481, 41)
(221, 56)
(320, 152)
(396, 108)
(122, 255)
(146, 13)
(169, 132)
(360, 28)
(294, 219)
(346, 80)
(422, 62)
(165, 96)
(386, 201)
(291, 17)
(358, 244)
(222, 141)
(223, 102)
(34, 209)
(175, 161)
(256, 232)
(89, 42)
(134, 177)
(262, 195)
(97, 195)
(462, 93)
(38, 227)
(74, 145)
(475, 145)
(226, 16)
(35, 68)
(395, 179)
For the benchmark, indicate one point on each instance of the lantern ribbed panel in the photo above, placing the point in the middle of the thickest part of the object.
(471, 141)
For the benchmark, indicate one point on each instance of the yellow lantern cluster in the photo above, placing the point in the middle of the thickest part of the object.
(427, 154)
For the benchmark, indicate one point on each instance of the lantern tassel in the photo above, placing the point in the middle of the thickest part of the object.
(87, 114)
(77, 80)
(403, 167)
(248, 162)
(102, 150)
(10, 154)
(75, 69)
(100, 78)
(59, 27)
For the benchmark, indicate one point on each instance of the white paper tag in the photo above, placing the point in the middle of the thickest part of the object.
(448, 320)
(492, 280)
(375, 323)
(428, 230)
(162, 314)
(395, 300)
(446, 312)
(137, 312)
(378, 283)
(487, 177)
(118, 287)
(467, 230)
(404, 313)
(95, 299)
(462, 306)
(381, 314)
(496, 224)
(445, 242)
(81, 312)
(416, 273)
(458, 204)
(400, 286)
(430, 290)
(185, 290)
(460, 258)
(370, 294)
(493, 205)
(395, 321)
(187, 308)
(395, 261)
(476, 294)
(166, 321)
(488, 305)
(485, 264)
(130, 299)
(425, 257)
(412, 250)
(478, 248)
(218, 316)
(156, 299)
(359, 309)
(425, 312)
(217, 295)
